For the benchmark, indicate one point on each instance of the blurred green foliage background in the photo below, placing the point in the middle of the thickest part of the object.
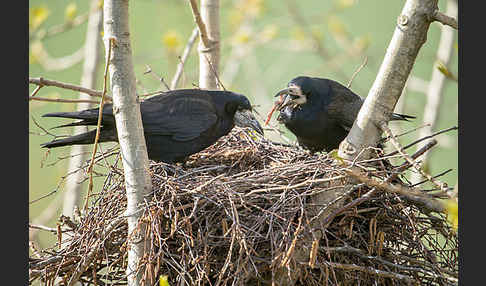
(264, 44)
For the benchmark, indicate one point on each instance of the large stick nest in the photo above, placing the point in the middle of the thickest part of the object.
(246, 211)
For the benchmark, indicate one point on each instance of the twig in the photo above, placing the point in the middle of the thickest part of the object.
(418, 153)
(61, 100)
(371, 271)
(98, 126)
(36, 90)
(42, 128)
(384, 127)
(185, 55)
(422, 139)
(44, 196)
(200, 24)
(94, 250)
(410, 193)
(157, 77)
(41, 227)
(152, 93)
(214, 72)
(436, 176)
(46, 82)
(371, 192)
(357, 71)
(406, 132)
(290, 250)
(445, 20)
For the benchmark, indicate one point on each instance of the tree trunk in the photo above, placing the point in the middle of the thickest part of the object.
(209, 55)
(409, 36)
(126, 109)
(88, 80)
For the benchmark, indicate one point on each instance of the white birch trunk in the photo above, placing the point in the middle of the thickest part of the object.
(88, 79)
(208, 70)
(409, 36)
(126, 108)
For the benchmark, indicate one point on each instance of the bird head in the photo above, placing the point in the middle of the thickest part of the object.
(244, 113)
(296, 93)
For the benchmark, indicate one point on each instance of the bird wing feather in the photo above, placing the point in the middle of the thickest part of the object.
(345, 107)
(184, 118)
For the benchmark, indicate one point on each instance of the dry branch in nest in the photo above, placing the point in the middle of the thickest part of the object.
(246, 211)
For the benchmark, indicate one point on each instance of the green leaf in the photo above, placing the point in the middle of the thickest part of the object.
(334, 155)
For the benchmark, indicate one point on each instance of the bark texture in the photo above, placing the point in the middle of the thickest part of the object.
(209, 55)
(126, 109)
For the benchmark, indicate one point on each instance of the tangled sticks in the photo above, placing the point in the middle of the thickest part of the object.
(243, 212)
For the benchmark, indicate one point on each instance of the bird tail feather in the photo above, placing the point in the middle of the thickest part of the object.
(83, 138)
(86, 118)
(75, 115)
(397, 116)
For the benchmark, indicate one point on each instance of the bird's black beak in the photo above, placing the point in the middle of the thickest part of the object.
(245, 118)
(293, 94)
(293, 90)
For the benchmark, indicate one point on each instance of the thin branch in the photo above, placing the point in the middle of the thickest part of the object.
(62, 100)
(94, 250)
(41, 227)
(200, 24)
(384, 127)
(409, 193)
(185, 55)
(214, 72)
(352, 171)
(436, 176)
(418, 153)
(357, 71)
(407, 132)
(422, 139)
(40, 81)
(98, 127)
(42, 128)
(36, 90)
(370, 270)
(44, 196)
(156, 76)
(445, 20)
(152, 93)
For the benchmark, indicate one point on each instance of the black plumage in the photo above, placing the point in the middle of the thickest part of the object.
(320, 112)
(176, 123)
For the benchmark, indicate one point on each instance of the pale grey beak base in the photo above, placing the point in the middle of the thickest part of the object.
(245, 118)
(293, 95)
